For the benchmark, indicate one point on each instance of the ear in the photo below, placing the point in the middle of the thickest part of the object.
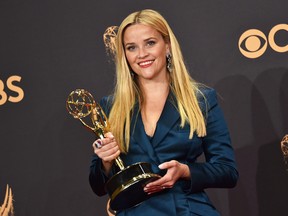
(168, 48)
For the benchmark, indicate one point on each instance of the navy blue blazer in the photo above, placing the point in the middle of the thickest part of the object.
(171, 142)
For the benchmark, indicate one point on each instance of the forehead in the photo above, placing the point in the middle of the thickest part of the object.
(137, 32)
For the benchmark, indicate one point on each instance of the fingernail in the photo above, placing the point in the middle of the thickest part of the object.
(98, 143)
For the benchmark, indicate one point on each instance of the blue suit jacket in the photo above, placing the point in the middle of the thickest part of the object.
(171, 142)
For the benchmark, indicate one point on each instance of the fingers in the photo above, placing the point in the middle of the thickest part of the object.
(107, 148)
(154, 189)
(159, 185)
(110, 157)
(109, 134)
(168, 180)
(108, 142)
(169, 164)
(163, 183)
(97, 144)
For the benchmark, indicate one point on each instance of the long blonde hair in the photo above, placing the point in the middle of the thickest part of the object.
(127, 92)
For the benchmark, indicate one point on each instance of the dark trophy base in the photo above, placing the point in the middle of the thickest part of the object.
(126, 187)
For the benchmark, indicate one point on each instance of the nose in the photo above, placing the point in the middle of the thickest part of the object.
(142, 53)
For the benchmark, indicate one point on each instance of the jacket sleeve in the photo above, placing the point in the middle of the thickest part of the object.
(219, 169)
(97, 178)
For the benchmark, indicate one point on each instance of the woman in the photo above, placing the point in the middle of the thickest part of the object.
(159, 114)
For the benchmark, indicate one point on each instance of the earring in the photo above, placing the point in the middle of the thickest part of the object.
(169, 62)
(132, 74)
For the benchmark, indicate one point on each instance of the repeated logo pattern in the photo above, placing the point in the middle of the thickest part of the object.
(253, 43)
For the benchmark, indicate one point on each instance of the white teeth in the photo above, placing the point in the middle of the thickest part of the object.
(145, 63)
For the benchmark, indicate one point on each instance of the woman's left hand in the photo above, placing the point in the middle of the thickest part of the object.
(175, 171)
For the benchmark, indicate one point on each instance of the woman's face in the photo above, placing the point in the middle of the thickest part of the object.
(146, 50)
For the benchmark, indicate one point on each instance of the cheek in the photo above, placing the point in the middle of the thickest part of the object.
(133, 65)
(162, 59)
(130, 59)
(161, 55)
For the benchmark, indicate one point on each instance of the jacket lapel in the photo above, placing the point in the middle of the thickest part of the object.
(168, 118)
(139, 135)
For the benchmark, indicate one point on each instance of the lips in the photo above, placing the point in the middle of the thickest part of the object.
(145, 63)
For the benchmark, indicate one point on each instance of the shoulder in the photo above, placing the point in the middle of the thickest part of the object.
(207, 97)
(106, 103)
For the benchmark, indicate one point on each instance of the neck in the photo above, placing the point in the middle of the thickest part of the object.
(154, 98)
(154, 91)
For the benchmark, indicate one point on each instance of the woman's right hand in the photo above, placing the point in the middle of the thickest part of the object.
(107, 149)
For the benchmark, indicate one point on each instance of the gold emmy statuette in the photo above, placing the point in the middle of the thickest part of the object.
(125, 188)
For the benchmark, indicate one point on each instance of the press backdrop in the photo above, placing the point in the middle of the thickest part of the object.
(50, 47)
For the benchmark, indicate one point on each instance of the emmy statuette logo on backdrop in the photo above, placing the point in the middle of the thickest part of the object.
(7, 208)
(284, 148)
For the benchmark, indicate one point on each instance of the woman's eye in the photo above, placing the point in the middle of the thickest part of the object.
(151, 43)
(130, 48)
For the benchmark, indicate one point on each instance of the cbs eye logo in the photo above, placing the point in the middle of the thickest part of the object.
(10, 83)
(253, 43)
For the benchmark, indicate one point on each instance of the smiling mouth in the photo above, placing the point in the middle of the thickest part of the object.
(146, 63)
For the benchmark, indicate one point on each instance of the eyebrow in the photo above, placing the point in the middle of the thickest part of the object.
(145, 40)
